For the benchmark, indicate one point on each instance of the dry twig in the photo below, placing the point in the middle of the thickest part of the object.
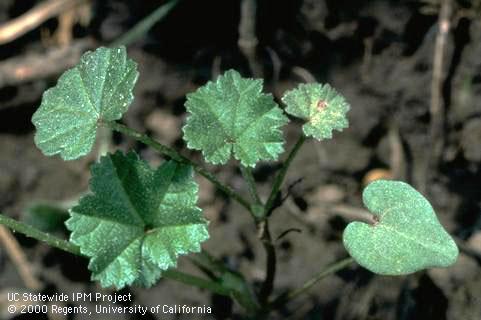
(397, 157)
(437, 107)
(468, 249)
(303, 74)
(17, 27)
(18, 258)
(247, 36)
(40, 65)
(66, 22)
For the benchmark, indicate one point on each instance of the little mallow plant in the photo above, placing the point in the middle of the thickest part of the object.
(137, 220)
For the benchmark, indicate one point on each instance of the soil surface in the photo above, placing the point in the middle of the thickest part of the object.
(378, 54)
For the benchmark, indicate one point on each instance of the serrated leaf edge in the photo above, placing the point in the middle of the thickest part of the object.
(308, 128)
(172, 263)
(98, 116)
(191, 143)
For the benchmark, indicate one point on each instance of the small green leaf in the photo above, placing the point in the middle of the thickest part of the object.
(232, 115)
(321, 106)
(98, 89)
(407, 235)
(137, 221)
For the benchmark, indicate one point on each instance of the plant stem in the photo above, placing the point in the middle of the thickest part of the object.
(169, 152)
(145, 24)
(310, 283)
(208, 262)
(282, 174)
(196, 281)
(251, 184)
(268, 284)
(69, 247)
(33, 232)
(261, 212)
(262, 225)
(234, 281)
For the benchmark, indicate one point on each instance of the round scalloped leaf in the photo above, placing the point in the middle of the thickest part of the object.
(233, 116)
(137, 221)
(321, 106)
(98, 89)
(406, 237)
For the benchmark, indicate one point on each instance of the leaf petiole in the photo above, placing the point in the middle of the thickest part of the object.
(290, 295)
(257, 209)
(195, 281)
(282, 174)
(169, 152)
(141, 28)
(69, 247)
(35, 233)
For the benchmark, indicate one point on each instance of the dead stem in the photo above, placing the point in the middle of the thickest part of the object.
(33, 66)
(437, 107)
(247, 36)
(18, 258)
(17, 27)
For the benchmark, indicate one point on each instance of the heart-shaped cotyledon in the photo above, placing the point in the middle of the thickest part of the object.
(406, 237)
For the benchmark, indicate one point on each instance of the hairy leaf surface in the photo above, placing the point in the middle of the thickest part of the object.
(233, 116)
(98, 89)
(138, 220)
(407, 237)
(321, 106)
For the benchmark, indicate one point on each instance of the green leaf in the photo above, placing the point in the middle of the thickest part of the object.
(137, 221)
(321, 106)
(233, 116)
(98, 89)
(407, 235)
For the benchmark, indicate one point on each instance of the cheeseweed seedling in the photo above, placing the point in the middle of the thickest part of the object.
(136, 221)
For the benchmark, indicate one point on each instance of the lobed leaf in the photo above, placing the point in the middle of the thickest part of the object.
(321, 106)
(407, 236)
(137, 221)
(233, 116)
(98, 89)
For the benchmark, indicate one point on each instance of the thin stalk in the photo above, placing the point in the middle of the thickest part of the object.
(251, 184)
(234, 281)
(145, 24)
(282, 173)
(33, 232)
(437, 107)
(311, 282)
(196, 282)
(207, 261)
(262, 225)
(271, 260)
(69, 247)
(169, 152)
(260, 211)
